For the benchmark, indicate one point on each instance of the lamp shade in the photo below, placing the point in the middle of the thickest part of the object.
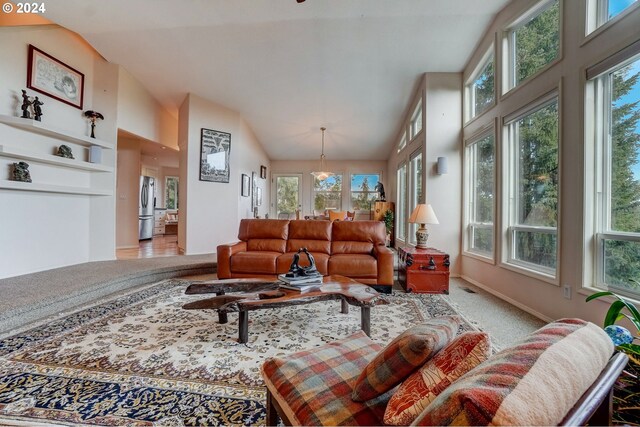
(423, 214)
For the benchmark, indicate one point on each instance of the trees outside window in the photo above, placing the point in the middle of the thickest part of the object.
(362, 190)
(171, 192)
(415, 194)
(480, 194)
(533, 179)
(480, 92)
(401, 215)
(327, 193)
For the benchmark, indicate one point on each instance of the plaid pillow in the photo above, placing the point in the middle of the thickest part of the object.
(461, 355)
(534, 382)
(402, 356)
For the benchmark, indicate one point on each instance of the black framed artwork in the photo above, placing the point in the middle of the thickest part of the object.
(263, 172)
(246, 186)
(215, 150)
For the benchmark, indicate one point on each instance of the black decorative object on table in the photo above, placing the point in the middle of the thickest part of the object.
(37, 111)
(21, 172)
(65, 151)
(25, 105)
(380, 189)
(93, 116)
(298, 272)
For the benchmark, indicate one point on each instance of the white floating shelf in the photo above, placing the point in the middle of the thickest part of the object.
(6, 151)
(48, 130)
(46, 188)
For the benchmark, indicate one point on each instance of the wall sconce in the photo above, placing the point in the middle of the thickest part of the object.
(443, 166)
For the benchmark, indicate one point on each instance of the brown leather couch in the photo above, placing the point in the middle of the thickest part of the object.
(355, 249)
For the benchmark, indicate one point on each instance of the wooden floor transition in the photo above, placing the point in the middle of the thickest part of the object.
(159, 246)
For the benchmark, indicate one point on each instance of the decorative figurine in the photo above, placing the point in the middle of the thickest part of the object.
(65, 151)
(380, 189)
(21, 172)
(93, 116)
(37, 111)
(25, 105)
(296, 271)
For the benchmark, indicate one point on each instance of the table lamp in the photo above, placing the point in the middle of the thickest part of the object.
(423, 214)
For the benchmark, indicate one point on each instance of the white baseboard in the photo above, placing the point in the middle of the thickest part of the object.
(508, 299)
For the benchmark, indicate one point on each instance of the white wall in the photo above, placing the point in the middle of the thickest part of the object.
(538, 296)
(127, 191)
(214, 209)
(305, 167)
(46, 230)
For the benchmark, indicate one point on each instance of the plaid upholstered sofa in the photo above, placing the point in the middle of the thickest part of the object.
(562, 374)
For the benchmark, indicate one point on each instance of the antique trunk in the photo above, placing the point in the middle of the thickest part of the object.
(423, 270)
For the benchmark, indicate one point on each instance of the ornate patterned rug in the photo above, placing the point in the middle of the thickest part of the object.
(142, 360)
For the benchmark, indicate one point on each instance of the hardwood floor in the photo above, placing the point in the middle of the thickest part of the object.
(159, 246)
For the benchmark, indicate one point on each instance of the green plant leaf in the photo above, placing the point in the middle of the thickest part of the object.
(598, 295)
(630, 349)
(614, 313)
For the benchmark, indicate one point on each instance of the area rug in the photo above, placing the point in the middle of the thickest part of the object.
(142, 360)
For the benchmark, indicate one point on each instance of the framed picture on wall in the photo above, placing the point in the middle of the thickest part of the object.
(54, 78)
(215, 150)
(258, 196)
(263, 172)
(246, 186)
(254, 190)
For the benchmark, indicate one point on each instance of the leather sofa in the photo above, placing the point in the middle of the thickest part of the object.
(355, 249)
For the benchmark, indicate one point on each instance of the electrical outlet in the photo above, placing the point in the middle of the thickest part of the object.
(567, 291)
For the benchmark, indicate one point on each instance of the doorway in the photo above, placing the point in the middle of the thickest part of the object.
(287, 191)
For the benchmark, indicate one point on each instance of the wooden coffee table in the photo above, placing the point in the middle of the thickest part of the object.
(256, 294)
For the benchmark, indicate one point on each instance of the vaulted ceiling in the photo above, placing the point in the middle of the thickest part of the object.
(288, 68)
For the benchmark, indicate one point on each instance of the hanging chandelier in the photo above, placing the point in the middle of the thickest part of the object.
(322, 174)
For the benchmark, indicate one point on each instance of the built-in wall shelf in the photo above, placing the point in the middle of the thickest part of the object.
(47, 188)
(18, 153)
(48, 130)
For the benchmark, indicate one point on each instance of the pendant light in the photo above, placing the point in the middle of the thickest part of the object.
(322, 174)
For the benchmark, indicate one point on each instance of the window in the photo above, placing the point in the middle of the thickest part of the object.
(415, 197)
(617, 126)
(602, 11)
(415, 126)
(171, 192)
(403, 141)
(533, 42)
(401, 216)
(362, 191)
(480, 194)
(327, 194)
(533, 187)
(480, 91)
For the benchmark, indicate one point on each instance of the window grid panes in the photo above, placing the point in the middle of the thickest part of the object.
(416, 121)
(533, 140)
(401, 216)
(403, 141)
(481, 184)
(416, 196)
(619, 125)
(534, 44)
(171, 192)
(481, 90)
(327, 193)
(363, 191)
(602, 11)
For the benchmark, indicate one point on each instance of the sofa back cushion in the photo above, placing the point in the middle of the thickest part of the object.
(264, 234)
(534, 382)
(356, 237)
(314, 235)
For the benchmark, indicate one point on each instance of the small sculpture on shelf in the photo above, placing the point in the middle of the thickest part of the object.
(93, 116)
(21, 172)
(25, 105)
(380, 189)
(65, 151)
(37, 111)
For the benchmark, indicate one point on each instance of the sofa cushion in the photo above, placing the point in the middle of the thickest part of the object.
(534, 382)
(356, 236)
(353, 265)
(269, 245)
(284, 262)
(313, 235)
(402, 356)
(261, 262)
(313, 387)
(461, 355)
(263, 229)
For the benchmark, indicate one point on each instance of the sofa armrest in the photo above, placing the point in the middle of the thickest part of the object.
(384, 257)
(224, 253)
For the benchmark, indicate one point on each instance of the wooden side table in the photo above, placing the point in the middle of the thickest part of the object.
(423, 270)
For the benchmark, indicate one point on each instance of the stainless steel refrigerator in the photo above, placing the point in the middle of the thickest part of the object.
(146, 205)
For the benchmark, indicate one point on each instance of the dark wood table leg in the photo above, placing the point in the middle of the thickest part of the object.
(345, 307)
(222, 317)
(365, 320)
(243, 326)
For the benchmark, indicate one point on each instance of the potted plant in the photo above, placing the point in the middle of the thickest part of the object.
(387, 218)
(627, 389)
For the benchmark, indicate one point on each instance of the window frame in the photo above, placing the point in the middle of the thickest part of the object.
(413, 122)
(596, 19)
(510, 205)
(488, 57)
(469, 195)
(352, 191)
(314, 192)
(403, 141)
(167, 178)
(402, 201)
(413, 196)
